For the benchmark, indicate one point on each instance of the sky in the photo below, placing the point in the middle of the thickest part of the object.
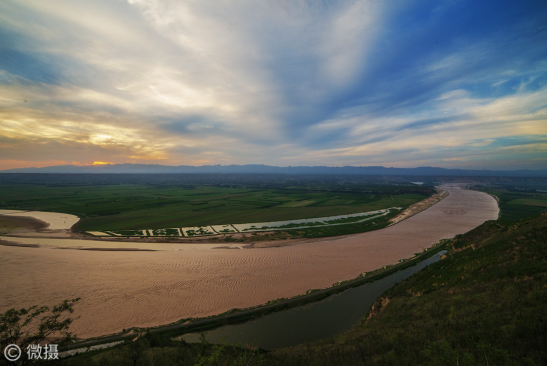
(399, 83)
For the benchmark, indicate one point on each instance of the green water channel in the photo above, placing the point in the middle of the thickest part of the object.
(332, 316)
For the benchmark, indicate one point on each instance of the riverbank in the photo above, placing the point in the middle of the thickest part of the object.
(237, 316)
(118, 288)
(420, 206)
(483, 304)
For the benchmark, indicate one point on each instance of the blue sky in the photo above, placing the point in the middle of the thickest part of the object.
(395, 83)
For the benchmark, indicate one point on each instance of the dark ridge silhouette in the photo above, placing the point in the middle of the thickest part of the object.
(267, 169)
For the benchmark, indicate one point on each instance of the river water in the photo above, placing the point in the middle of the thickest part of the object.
(332, 316)
(123, 289)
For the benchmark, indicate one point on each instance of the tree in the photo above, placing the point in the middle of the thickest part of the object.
(35, 325)
(134, 351)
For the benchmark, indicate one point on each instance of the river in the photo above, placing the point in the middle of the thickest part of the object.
(122, 289)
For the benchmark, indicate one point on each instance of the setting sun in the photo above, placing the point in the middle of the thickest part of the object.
(101, 163)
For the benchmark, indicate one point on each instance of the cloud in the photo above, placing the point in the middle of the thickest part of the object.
(299, 82)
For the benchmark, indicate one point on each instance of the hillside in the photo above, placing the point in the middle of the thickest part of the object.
(485, 303)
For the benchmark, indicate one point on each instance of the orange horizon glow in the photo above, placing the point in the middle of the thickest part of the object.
(101, 163)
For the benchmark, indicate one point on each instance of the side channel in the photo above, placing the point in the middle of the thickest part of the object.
(329, 317)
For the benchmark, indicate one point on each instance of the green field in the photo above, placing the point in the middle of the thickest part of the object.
(516, 204)
(536, 201)
(141, 206)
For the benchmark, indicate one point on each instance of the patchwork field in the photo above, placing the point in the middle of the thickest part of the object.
(518, 203)
(357, 218)
(139, 207)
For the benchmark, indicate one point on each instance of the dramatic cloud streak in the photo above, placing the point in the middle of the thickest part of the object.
(400, 83)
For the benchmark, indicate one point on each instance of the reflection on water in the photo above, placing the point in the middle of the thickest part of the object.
(317, 320)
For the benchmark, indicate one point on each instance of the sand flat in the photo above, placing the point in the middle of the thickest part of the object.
(124, 289)
(70, 243)
(56, 220)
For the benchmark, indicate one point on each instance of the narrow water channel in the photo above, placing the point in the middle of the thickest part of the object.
(310, 322)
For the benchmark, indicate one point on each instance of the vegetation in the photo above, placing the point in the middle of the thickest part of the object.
(348, 228)
(166, 232)
(36, 325)
(483, 304)
(128, 207)
(518, 202)
(349, 219)
(153, 349)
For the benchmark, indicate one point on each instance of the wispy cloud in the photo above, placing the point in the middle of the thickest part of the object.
(287, 83)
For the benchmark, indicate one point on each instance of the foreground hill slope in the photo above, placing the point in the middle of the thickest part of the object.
(484, 303)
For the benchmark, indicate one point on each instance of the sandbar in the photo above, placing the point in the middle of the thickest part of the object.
(56, 220)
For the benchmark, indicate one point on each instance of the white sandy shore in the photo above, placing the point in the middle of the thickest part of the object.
(123, 289)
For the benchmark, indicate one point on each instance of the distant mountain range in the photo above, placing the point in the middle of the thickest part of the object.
(267, 169)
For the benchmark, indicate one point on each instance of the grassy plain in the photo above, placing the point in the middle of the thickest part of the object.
(517, 203)
(142, 206)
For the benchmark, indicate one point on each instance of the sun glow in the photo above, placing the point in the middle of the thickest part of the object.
(101, 163)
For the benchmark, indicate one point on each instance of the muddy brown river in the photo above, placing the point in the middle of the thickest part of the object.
(122, 289)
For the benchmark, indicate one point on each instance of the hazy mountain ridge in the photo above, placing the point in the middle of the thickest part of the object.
(267, 169)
